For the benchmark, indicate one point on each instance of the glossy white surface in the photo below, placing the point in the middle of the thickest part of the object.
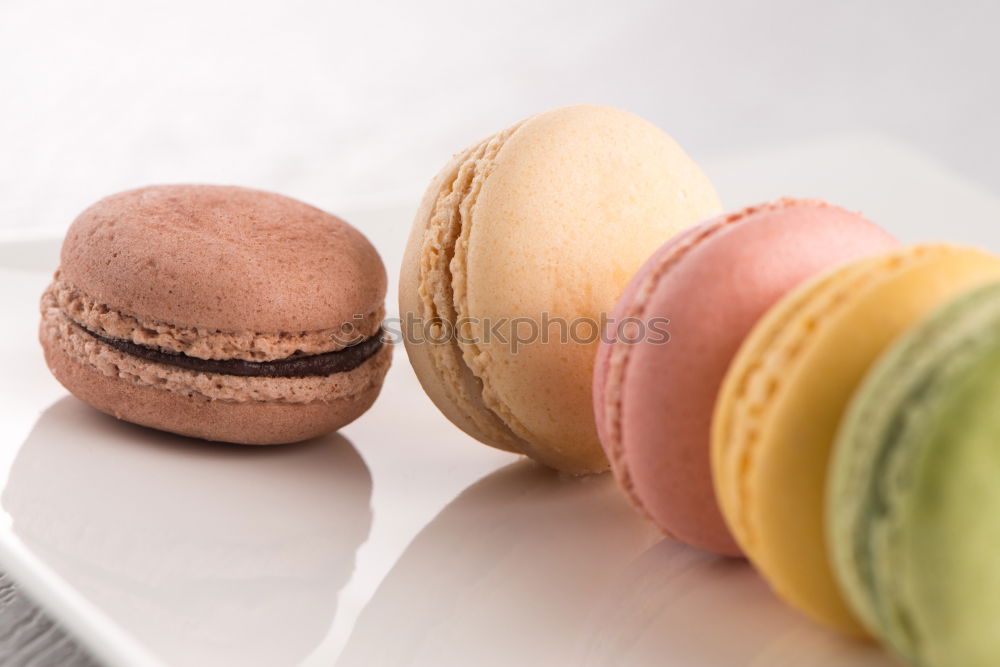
(400, 541)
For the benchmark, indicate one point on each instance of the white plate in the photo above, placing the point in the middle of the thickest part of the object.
(399, 542)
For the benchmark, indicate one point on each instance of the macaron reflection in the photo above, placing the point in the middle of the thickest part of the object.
(679, 606)
(529, 568)
(241, 550)
(507, 574)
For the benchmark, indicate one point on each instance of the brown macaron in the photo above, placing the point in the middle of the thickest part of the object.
(218, 312)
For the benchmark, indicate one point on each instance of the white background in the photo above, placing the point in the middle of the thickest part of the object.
(355, 104)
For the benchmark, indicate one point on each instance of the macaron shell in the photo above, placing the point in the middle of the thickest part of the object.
(223, 257)
(603, 404)
(714, 282)
(439, 367)
(745, 389)
(911, 484)
(945, 591)
(786, 392)
(558, 228)
(544, 222)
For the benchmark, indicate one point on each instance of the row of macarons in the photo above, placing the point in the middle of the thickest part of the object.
(821, 405)
(801, 409)
(847, 442)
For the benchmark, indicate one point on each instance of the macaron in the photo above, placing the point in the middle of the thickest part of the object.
(523, 241)
(912, 497)
(217, 312)
(654, 394)
(785, 393)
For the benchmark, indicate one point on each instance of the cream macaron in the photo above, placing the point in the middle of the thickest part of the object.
(519, 250)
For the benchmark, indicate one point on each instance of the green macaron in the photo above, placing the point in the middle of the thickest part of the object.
(913, 511)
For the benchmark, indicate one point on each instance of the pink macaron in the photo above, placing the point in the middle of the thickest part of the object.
(654, 394)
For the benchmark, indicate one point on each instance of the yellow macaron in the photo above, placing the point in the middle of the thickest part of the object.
(782, 400)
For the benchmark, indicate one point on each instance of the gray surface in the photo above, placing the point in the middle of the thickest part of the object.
(29, 638)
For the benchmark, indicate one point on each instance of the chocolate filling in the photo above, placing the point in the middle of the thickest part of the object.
(328, 363)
